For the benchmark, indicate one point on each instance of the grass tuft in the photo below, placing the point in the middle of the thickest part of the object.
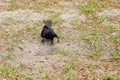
(7, 71)
(94, 54)
(63, 51)
(108, 77)
(89, 7)
(116, 54)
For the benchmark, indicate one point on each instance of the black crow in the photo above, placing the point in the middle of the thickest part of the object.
(48, 32)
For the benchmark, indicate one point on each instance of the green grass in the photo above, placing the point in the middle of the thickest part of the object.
(39, 5)
(18, 4)
(71, 75)
(118, 77)
(77, 23)
(101, 19)
(113, 27)
(63, 51)
(95, 54)
(2, 35)
(90, 65)
(63, 36)
(9, 21)
(89, 7)
(11, 73)
(108, 77)
(116, 39)
(92, 41)
(117, 64)
(13, 5)
(27, 77)
(9, 47)
(8, 55)
(7, 71)
(68, 67)
(55, 17)
(116, 54)
(46, 76)
(69, 70)
(14, 42)
(31, 29)
(28, 27)
(14, 33)
(93, 35)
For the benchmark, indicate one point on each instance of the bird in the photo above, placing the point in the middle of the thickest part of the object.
(47, 32)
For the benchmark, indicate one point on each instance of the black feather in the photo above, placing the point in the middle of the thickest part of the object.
(48, 32)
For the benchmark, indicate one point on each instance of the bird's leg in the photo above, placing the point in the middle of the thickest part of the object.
(43, 40)
(57, 38)
(52, 41)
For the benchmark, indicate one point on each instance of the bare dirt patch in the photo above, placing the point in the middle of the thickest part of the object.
(88, 47)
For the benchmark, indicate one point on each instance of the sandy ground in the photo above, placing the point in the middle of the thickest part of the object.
(33, 57)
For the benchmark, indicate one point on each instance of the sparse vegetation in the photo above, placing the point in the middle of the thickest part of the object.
(117, 64)
(116, 54)
(89, 47)
(8, 55)
(63, 51)
(108, 77)
(89, 7)
(7, 71)
(27, 77)
(113, 27)
(94, 54)
(31, 29)
(68, 67)
(47, 76)
(101, 19)
(72, 75)
(55, 17)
